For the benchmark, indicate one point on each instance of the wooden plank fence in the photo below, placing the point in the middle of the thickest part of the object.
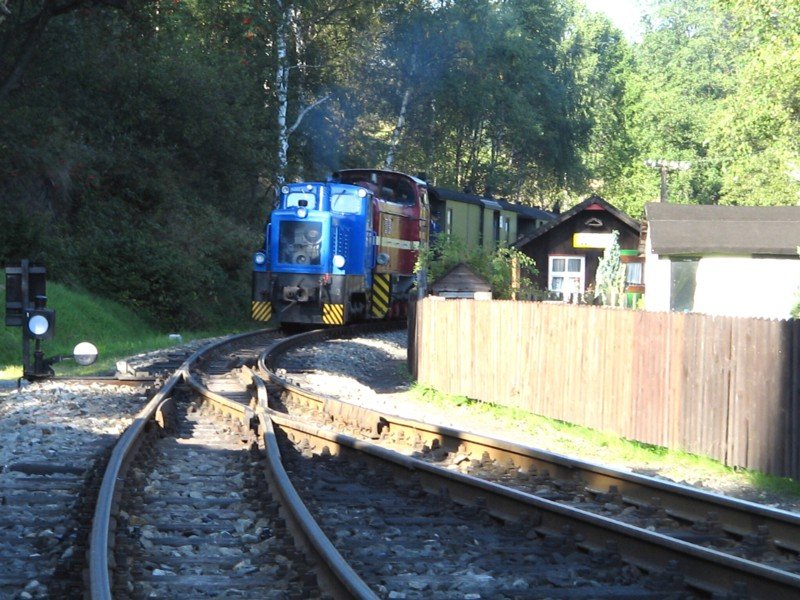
(723, 387)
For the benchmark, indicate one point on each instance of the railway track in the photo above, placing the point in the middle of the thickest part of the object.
(182, 510)
(196, 521)
(246, 486)
(55, 439)
(721, 545)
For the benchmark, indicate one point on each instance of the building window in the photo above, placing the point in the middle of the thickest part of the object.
(683, 284)
(566, 274)
(633, 273)
(449, 222)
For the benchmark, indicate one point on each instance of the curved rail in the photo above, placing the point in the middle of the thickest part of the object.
(738, 517)
(341, 578)
(706, 569)
(99, 539)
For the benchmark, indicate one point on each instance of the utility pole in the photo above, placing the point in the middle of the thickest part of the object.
(664, 166)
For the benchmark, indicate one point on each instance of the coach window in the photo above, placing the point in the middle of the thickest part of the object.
(566, 272)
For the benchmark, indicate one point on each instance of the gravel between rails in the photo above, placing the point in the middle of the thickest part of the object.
(61, 421)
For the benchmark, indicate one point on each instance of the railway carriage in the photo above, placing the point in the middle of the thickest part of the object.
(342, 250)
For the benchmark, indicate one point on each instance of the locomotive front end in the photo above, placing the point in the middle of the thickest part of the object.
(308, 273)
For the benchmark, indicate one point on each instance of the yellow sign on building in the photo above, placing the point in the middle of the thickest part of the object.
(592, 240)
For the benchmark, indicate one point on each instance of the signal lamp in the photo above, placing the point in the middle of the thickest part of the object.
(40, 324)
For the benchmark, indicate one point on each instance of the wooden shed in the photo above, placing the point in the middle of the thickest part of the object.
(462, 282)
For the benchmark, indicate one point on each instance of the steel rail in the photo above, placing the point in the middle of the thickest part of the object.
(704, 569)
(100, 540)
(684, 503)
(738, 517)
(342, 581)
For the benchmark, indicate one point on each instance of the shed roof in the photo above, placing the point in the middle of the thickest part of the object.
(460, 278)
(711, 229)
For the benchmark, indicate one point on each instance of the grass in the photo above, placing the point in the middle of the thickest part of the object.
(574, 440)
(115, 330)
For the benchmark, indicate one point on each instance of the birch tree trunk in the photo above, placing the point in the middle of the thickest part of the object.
(398, 129)
(287, 24)
(282, 88)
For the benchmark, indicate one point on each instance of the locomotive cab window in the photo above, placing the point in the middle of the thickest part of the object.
(347, 201)
(293, 199)
(299, 242)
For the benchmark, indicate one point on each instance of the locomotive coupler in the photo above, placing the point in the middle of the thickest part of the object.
(295, 294)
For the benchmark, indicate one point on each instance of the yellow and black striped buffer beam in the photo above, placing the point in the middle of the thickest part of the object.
(381, 287)
(261, 311)
(333, 314)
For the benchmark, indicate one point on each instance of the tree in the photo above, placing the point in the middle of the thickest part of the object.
(681, 71)
(599, 57)
(21, 33)
(757, 128)
(611, 275)
(509, 272)
(308, 39)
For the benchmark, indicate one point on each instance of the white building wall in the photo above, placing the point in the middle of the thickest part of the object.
(657, 280)
(747, 287)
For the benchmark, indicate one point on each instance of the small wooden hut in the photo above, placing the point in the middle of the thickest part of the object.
(462, 282)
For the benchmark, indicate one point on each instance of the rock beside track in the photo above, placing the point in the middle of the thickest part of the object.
(53, 438)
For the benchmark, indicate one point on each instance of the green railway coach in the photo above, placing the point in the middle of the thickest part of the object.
(483, 221)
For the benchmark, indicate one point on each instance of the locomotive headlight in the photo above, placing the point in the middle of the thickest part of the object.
(285, 189)
(362, 193)
(302, 212)
(338, 261)
(259, 258)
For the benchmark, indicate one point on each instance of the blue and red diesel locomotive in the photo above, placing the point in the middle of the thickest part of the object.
(342, 250)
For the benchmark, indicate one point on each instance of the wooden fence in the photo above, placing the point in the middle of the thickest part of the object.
(722, 387)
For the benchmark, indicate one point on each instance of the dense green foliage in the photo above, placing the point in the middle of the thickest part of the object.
(715, 83)
(140, 139)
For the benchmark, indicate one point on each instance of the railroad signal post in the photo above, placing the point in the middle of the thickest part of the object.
(26, 307)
